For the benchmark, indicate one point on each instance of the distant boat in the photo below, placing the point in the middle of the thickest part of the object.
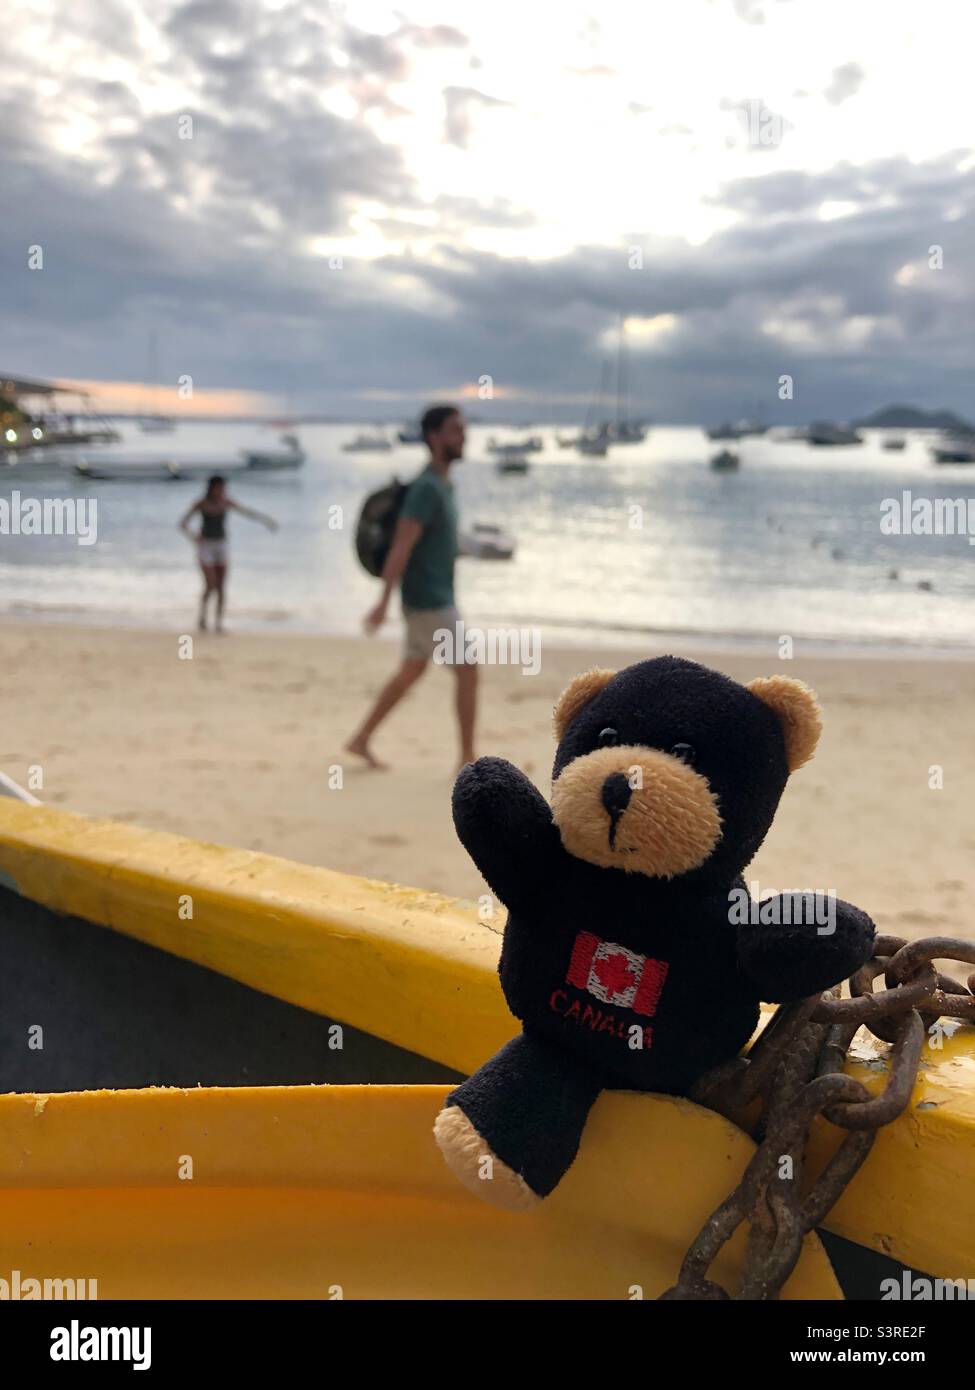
(118, 468)
(740, 429)
(274, 461)
(725, 462)
(593, 445)
(599, 432)
(825, 434)
(628, 432)
(894, 445)
(131, 471)
(508, 451)
(957, 448)
(487, 542)
(534, 444)
(367, 444)
(512, 465)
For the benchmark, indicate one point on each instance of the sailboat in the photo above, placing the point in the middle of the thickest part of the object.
(596, 437)
(624, 430)
(155, 424)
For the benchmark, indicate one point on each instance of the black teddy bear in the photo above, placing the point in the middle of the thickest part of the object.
(627, 955)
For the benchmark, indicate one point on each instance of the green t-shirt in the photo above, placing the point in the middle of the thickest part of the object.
(428, 581)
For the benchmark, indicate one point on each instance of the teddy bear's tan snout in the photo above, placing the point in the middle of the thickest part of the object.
(636, 809)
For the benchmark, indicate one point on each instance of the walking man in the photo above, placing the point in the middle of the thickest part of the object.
(421, 561)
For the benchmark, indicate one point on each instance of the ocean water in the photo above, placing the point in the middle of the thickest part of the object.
(646, 544)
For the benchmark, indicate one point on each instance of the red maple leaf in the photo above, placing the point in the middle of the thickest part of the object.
(614, 973)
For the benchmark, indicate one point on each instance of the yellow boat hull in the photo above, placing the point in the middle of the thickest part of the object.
(340, 1191)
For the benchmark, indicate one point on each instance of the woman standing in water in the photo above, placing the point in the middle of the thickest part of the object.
(211, 541)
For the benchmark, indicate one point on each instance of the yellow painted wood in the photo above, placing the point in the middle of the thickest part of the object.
(297, 1191)
(420, 970)
(412, 967)
(914, 1198)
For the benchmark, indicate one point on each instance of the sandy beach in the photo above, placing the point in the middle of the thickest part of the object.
(238, 745)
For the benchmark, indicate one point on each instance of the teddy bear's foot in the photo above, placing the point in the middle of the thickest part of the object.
(465, 1151)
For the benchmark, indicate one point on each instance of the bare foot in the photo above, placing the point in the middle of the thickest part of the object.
(360, 747)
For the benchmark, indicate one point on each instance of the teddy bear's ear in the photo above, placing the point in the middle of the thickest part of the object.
(577, 695)
(798, 712)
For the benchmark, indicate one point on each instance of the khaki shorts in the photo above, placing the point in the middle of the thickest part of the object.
(421, 640)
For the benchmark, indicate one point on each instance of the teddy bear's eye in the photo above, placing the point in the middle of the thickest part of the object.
(684, 751)
(607, 737)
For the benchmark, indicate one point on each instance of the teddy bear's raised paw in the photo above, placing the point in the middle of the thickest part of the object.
(475, 1165)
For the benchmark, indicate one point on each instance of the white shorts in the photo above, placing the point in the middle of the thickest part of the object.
(425, 635)
(212, 553)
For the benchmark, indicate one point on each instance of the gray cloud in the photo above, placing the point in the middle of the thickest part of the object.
(845, 83)
(208, 240)
(460, 103)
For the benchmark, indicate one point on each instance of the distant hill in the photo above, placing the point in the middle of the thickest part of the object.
(909, 417)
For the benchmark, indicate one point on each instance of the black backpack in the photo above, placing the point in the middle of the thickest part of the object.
(376, 524)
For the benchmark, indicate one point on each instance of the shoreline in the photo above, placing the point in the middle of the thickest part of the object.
(623, 638)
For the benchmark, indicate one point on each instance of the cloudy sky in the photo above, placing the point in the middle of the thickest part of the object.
(355, 208)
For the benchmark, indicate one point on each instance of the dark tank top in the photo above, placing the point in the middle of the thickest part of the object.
(213, 526)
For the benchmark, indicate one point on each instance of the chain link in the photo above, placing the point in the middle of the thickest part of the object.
(794, 1073)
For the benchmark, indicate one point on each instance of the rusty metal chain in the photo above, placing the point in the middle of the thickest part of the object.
(792, 1074)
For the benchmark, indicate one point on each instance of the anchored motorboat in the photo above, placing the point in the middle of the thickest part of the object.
(274, 461)
(826, 434)
(367, 444)
(532, 445)
(122, 468)
(725, 462)
(487, 542)
(956, 448)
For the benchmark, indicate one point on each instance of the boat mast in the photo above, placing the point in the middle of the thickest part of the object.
(597, 406)
(621, 383)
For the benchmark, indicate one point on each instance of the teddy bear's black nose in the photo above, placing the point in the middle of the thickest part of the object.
(616, 794)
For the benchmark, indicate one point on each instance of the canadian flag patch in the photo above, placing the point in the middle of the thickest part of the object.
(616, 975)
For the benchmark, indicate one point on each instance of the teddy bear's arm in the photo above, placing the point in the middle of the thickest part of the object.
(506, 826)
(803, 945)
